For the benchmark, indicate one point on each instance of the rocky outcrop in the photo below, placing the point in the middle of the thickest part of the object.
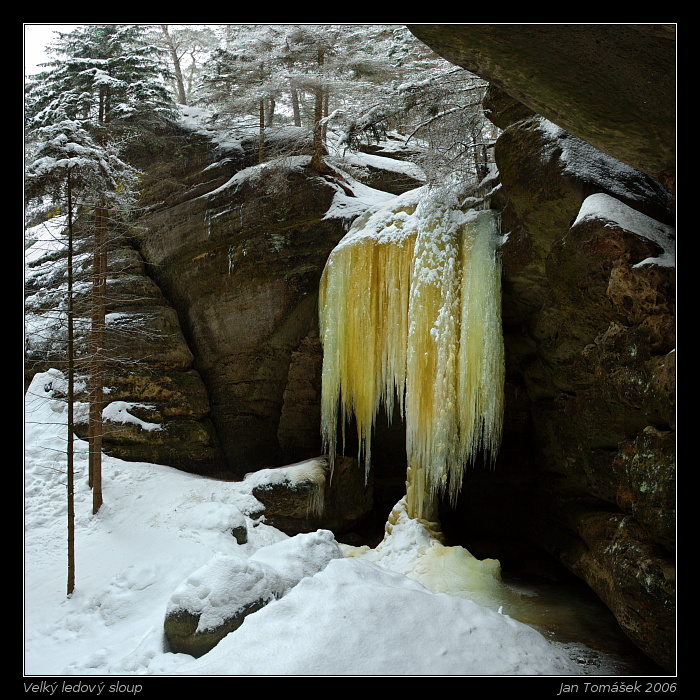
(612, 85)
(386, 169)
(156, 406)
(588, 312)
(241, 261)
(238, 250)
(215, 359)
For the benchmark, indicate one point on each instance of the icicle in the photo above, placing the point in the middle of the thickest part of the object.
(410, 310)
(364, 314)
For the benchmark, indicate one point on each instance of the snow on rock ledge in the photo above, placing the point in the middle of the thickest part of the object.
(603, 206)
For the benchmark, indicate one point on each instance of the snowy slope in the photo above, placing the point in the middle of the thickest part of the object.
(361, 615)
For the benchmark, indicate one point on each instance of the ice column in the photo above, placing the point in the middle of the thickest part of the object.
(410, 311)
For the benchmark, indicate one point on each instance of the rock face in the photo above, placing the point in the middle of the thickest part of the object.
(240, 259)
(215, 359)
(588, 466)
(613, 85)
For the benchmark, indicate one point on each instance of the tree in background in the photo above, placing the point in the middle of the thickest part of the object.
(361, 81)
(69, 171)
(434, 105)
(305, 75)
(243, 78)
(187, 47)
(111, 81)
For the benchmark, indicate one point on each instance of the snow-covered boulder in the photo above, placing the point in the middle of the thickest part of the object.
(303, 497)
(216, 598)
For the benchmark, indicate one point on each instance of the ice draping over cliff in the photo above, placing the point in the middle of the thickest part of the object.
(410, 312)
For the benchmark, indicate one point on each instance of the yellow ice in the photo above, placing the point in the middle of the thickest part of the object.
(410, 312)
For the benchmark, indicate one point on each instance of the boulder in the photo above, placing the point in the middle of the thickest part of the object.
(214, 601)
(217, 597)
(386, 173)
(306, 496)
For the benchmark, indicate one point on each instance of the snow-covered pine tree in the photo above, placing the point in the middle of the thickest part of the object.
(108, 78)
(71, 170)
(101, 74)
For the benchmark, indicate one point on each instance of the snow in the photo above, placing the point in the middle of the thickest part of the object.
(385, 163)
(603, 206)
(366, 620)
(163, 534)
(388, 219)
(44, 239)
(365, 199)
(120, 412)
(198, 120)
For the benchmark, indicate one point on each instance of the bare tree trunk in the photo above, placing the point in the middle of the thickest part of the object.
(71, 400)
(317, 161)
(326, 100)
(261, 144)
(191, 73)
(99, 284)
(270, 111)
(295, 106)
(177, 68)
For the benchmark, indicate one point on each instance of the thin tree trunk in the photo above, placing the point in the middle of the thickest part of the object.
(71, 400)
(261, 144)
(326, 100)
(295, 106)
(317, 162)
(261, 116)
(99, 282)
(191, 73)
(177, 68)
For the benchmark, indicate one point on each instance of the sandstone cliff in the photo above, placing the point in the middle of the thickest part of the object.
(586, 164)
(238, 250)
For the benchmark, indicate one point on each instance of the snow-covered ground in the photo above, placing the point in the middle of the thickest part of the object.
(360, 612)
